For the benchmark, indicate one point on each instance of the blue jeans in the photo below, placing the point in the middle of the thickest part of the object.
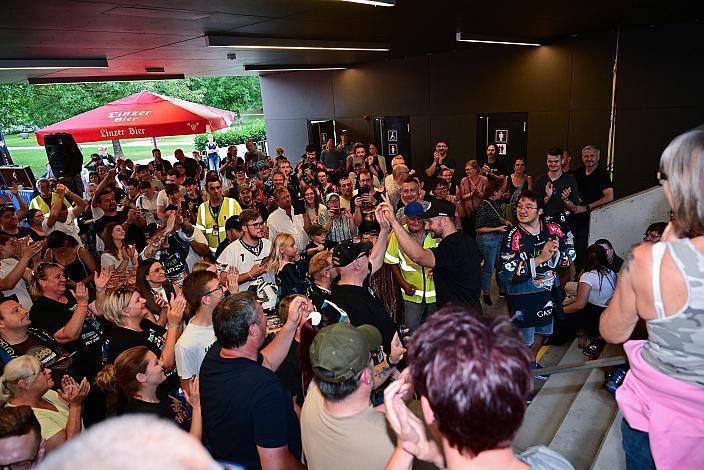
(213, 161)
(636, 446)
(489, 244)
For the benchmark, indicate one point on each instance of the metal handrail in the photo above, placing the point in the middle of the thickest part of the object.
(577, 366)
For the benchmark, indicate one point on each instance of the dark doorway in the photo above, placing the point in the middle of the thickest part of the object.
(320, 131)
(509, 131)
(393, 136)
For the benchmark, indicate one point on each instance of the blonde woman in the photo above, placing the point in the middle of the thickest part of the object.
(26, 382)
(282, 262)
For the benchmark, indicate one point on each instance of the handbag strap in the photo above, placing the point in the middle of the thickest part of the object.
(493, 208)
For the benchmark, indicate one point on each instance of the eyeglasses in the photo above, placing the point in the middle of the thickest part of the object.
(526, 208)
(255, 224)
(22, 464)
(218, 288)
(662, 177)
(42, 368)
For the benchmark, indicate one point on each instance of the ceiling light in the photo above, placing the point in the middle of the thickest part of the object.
(292, 68)
(246, 42)
(51, 64)
(105, 78)
(376, 3)
(461, 37)
(157, 13)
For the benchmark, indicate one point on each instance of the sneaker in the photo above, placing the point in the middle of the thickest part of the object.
(615, 378)
(487, 299)
(537, 366)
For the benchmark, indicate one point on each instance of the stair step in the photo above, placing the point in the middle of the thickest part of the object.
(549, 407)
(586, 423)
(610, 455)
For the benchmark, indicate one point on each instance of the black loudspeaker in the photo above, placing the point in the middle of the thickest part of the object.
(64, 155)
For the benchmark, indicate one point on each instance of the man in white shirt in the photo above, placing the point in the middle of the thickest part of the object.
(202, 291)
(247, 253)
(147, 202)
(60, 217)
(284, 220)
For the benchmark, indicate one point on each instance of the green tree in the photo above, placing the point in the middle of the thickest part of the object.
(27, 106)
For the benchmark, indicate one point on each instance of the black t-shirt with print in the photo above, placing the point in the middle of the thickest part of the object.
(369, 223)
(49, 315)
(152, 336)
(170, 408)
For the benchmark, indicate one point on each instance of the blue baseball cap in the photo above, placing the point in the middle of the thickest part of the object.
(413, 209)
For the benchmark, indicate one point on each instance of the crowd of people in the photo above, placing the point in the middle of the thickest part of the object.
(328, 310)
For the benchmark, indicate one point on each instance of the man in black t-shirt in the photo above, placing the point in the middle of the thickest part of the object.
(247, 412)
(131, 220)
(191, 166)
(456, 261)
(161, 166)
(18, 338)
(595, 189)
(352, 293)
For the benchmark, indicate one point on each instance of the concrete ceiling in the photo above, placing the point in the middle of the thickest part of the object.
(171, 34)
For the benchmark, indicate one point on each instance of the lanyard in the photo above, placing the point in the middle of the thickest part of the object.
(215, 215)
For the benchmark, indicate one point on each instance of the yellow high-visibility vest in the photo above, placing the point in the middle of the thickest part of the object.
(38, 203)
(206, 223)
(411, 272)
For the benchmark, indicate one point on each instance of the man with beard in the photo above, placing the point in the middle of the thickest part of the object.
(356, 262)
(132, 222)
(213, 213)
(417, 285)
(247, 253)
(455, 261)
(246, 200)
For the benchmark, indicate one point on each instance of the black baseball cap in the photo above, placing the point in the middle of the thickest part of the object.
(347, 251)
(439, 208)
(233, 223)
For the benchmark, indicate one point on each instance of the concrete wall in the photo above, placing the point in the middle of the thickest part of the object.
(565, 88)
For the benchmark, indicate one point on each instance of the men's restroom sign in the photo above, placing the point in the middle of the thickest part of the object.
(393, 135)
(501, 136)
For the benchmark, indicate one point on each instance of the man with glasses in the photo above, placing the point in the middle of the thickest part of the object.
(213, 214)
(203, 292)
(322, 272)
(531, 254)
(21, 443)
(440, 160)
(247, 253)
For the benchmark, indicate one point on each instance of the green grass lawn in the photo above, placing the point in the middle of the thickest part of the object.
(136, 149)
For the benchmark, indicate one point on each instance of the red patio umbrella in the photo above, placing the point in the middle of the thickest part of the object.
(144, 114)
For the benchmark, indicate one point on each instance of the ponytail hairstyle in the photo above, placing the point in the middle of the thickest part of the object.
(40, 273)
(122, 376)
(25, 368)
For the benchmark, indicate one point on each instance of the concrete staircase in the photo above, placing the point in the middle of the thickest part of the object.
(574, 415)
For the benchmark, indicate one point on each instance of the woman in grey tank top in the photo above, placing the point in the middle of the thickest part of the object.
(662, 397)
